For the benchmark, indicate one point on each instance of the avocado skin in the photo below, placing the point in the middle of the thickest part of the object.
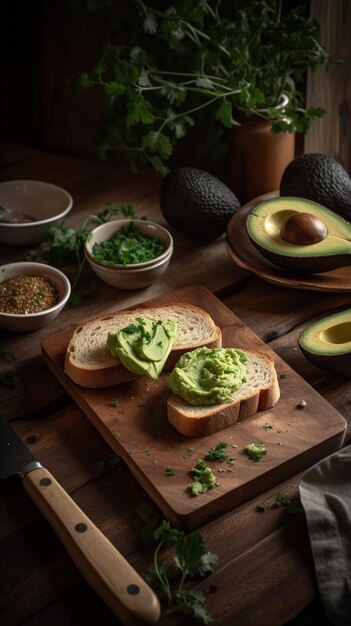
(303, 265)
(323, 354)
(337, 363)
(320, 178)
(196, 203)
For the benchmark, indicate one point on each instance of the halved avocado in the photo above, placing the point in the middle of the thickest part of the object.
(327, 343)
(319, 241)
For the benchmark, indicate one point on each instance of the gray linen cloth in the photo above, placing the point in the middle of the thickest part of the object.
(325, 491)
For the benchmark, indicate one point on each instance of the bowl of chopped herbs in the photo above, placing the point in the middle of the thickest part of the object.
(129, 253)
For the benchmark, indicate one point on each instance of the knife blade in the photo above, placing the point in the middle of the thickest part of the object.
(106, 570)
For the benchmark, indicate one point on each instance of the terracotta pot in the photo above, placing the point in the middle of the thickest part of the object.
(257, 158)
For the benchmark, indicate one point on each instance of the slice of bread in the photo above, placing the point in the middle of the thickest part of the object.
(258, 393)
(89, 362)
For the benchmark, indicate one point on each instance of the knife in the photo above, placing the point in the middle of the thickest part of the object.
(105, 569)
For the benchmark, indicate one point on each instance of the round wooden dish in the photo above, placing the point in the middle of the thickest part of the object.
(243, 252)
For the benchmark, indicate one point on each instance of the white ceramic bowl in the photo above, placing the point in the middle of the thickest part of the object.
(48, 204)
(136, 275)
(145, 227)
(129, 278)
(33, 321)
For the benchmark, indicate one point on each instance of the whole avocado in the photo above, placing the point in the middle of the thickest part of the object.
(320, 178)
(196, 203)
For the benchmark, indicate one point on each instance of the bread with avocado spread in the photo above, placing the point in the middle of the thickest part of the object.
(256, 390)
(89, 362)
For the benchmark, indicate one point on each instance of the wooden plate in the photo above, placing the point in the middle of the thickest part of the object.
(132, 418)
(243, 252)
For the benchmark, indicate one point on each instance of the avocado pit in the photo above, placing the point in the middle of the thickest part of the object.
(303, 229)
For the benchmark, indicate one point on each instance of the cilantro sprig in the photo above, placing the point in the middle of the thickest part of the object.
(64, 245)
(187, 559)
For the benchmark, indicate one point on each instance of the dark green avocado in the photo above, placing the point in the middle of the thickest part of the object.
(327, 343)
(300, 235)
(320, 178)
(197, 203)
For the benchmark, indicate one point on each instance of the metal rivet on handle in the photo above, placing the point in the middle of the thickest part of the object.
(45, 482)
(80, 528)
(133, 590)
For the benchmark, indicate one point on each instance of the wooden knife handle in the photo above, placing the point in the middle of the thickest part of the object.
(106, 570)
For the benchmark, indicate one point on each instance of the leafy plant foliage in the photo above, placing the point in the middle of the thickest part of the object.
(199, 57)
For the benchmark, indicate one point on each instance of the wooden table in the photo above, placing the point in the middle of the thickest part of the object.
(265, 571)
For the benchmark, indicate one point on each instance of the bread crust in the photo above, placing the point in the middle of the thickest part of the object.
(201, 421)
(112, 372)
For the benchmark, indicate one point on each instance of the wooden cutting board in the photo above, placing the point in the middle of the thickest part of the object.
(132, 419)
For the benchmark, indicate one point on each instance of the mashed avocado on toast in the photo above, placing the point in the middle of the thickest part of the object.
(143, 346)
(208, 376)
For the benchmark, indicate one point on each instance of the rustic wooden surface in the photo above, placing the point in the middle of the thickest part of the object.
(131, 428)
(265, 572)
(331, 89)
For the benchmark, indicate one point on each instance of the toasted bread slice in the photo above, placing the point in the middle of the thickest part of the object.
(260, 392)
(88, 361)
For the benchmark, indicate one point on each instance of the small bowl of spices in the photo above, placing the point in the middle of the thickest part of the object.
(31, 295)
(130, 253)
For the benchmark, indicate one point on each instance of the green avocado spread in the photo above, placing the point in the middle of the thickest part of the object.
(143, 346)
(208, 376)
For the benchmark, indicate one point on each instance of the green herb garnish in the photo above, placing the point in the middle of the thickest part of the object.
(282, 499)
(204, 478)
(65, 245)
(168, 577)
(169, 471)
(112, 460)
(126, 247)
(115, 403)
(217, 453)
(256, 451)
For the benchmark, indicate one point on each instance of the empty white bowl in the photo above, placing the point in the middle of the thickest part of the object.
(48, 204)
(134, 275)
(25, 322)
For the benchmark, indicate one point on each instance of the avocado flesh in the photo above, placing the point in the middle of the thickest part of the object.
(264, 225)
(327, 343)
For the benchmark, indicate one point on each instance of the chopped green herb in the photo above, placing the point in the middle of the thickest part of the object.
(189, 559)
(267, 427)
(282, 376)
(169, 471)
(112, 460)
(147, 452)
(256, 450)
(282, 499)
(115, 403)
(262, 507)
(217, 453)
(126, 247)
(231, 460)
(204, 478)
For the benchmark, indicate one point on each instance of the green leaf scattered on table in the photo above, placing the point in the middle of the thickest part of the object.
(187, 558)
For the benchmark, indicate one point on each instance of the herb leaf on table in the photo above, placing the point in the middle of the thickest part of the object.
(187, 559)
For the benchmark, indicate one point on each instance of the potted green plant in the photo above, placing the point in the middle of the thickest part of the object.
(195, 60)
